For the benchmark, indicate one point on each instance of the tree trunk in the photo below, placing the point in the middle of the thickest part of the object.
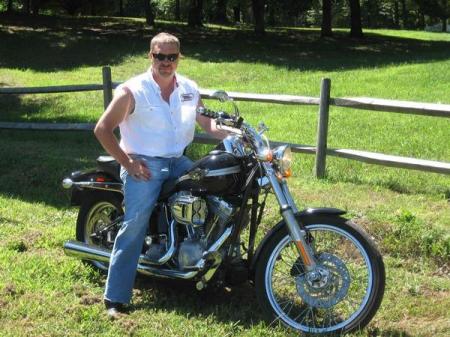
(195, 15)
(177, 10)
(271, 21)
(326, 19)
(355, 19)
(120, 7)
(149, 13)
(404, 14)
(444, 24)
(221, 11)
(396, 15)
(26, 7)
(373, 9)
(35, 7)
(9, 6)
(258, 16)
(236, 14)
(420, 19)
(93, 8)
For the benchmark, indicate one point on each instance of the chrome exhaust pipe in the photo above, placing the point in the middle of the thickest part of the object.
(85, 251)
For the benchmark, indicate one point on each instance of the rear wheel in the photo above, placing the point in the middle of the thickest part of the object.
(341, 295)
(99, 219)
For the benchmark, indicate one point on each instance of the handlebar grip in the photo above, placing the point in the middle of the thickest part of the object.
(223, 116)
(206, 112)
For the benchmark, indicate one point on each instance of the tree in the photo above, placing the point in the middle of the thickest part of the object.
(436, 9)
(396, 14)
(355, 19)
(9, 6)
(195, 13)
(120, 7)
(220, 15)
(70, 6)
(26, 6)
(326, 19)
(36, 6)
(404, 13)
(149, 9)
(177, 10)
(258, 16)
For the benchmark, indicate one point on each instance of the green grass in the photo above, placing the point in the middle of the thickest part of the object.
(44, 293)
(387, 64)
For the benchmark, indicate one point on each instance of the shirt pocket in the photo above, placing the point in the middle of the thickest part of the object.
(152, 117)
(188, 113)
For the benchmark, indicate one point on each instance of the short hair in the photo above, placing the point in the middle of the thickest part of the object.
(164, 38)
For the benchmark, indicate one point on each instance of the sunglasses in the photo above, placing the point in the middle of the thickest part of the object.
(163, 57)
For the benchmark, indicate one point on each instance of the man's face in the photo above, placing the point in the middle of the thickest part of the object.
(166, 67)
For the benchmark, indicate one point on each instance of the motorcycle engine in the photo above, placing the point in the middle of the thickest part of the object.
(204, 220)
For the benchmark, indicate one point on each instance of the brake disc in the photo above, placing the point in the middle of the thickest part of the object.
(327, 284)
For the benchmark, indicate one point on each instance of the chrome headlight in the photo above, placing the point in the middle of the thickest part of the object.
(282, 158)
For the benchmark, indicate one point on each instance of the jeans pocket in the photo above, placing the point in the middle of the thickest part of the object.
(159, 168)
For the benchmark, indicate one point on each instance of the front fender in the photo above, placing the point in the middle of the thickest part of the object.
(302, 219)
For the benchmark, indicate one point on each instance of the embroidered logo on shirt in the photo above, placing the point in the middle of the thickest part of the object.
(187, 97)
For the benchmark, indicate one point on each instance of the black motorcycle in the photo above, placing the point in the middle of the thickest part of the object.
(314, 271)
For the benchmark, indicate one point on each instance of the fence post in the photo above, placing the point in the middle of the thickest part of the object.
(322, 127)
(107, 86)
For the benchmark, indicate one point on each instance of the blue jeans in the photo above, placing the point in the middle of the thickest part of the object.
(140, 198)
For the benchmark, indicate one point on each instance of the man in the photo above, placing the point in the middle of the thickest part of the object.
(156, 114)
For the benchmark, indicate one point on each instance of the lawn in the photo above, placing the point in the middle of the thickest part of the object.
(44, 293)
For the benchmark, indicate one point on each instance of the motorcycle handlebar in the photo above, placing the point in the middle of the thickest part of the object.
(221, 117)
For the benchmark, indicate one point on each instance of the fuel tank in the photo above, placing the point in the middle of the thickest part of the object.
(219, 173)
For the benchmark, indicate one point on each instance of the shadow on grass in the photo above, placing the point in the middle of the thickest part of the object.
(58, 43)
(387, 333)
(237, 304)
(33, 163)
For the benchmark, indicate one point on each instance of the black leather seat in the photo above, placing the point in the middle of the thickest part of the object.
(109, 165)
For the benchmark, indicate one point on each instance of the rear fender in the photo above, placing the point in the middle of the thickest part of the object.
(81, 183)
(302, 219)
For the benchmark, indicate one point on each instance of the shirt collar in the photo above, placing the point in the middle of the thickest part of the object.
(156, 85)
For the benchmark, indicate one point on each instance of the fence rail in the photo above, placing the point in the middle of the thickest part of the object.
(321, 150)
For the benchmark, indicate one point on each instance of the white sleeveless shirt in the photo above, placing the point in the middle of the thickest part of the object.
(156, 128)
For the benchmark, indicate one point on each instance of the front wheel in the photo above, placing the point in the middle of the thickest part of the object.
(341, 295)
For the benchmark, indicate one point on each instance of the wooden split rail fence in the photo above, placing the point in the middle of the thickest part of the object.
(321, 149)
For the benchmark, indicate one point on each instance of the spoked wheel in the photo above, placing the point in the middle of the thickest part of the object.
(340, 295)
(98, 221)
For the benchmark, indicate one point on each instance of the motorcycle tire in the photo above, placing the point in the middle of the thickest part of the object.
(349, 291)
(97, 211)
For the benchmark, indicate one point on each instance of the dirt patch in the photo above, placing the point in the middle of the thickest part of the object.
(90, 300)
(129, 325)
(3, 304)
(10, 289)
(31, 237)
(79, 290)
(443, 271)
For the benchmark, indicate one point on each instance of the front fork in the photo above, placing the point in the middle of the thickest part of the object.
(288, 210)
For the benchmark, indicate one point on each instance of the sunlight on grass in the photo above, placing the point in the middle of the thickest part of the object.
(45, 293)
